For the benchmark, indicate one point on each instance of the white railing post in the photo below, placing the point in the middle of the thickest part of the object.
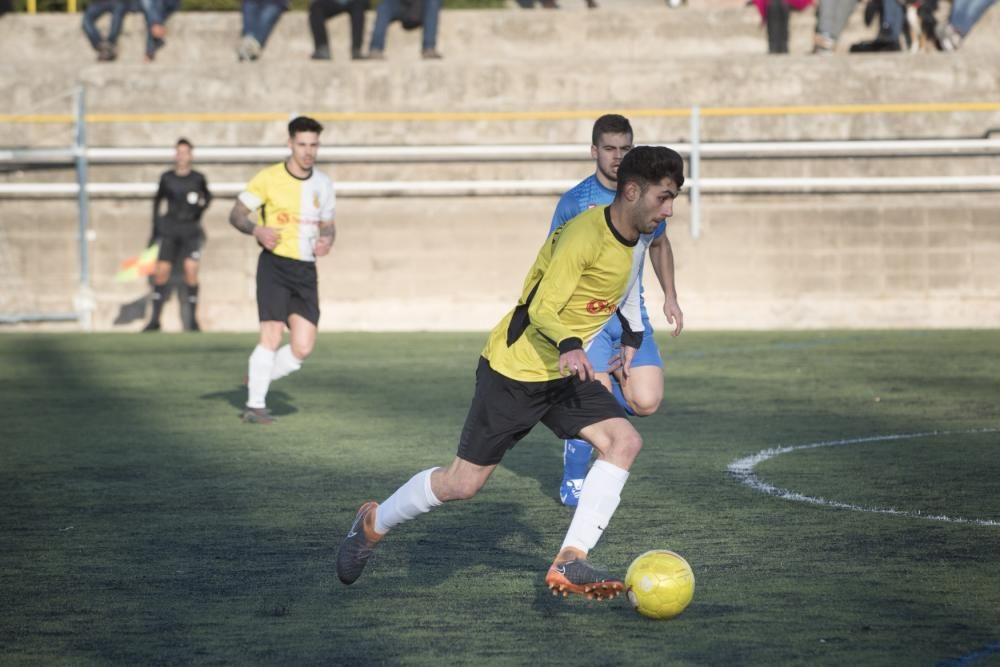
(694, 160)
(83, 302)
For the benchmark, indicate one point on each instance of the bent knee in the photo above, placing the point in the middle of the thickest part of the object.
(301, 351)
(629, 444)
(645, 407)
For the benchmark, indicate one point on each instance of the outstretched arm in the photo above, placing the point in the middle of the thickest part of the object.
(662, 257)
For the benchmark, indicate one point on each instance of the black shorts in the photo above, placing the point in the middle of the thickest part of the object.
(285, 287)
(182, 244)
(503, 411)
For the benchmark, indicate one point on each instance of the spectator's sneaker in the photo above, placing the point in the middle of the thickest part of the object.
(322, 53)
(357, 55)
(823, 44)
(877, 45)
(947, 37)
(431, 54)
(249, 49)
(105, 52)
(152, 326)
(257, 416)
(573, 573)
(359, 545)
(569, 491)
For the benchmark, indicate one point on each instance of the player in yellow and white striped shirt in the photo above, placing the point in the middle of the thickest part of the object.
(534, 369)
(295, 207)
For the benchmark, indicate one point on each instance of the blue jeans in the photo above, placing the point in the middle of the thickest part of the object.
(260, 17)
(893, 16)
(156, 12)
(389, 10)
(96, 10)
(966, 13)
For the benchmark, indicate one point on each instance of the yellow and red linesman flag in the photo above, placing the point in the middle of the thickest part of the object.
(134, 268)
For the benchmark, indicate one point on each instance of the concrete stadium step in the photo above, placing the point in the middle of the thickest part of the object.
(543, 103)
(570, 38)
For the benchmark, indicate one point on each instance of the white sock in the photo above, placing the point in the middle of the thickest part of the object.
(410, 500)
(259, 376)
(285, 363)
(599, 499)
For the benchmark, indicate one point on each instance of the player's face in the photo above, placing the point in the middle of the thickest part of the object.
(182, 157)
(655, 205)
(608, 153)
(305, 148)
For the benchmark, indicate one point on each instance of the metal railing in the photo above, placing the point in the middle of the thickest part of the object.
(80, 156)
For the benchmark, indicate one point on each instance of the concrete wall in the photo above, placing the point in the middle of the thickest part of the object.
(762, 261)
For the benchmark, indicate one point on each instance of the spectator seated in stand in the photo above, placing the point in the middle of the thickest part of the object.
(964, 15)
(321, 10)
(775, 15)
(106, 46)
(259, 19)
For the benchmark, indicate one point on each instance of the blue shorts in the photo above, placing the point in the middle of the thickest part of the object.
(607, 343)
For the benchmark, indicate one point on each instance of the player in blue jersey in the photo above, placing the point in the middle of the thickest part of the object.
(642, 392)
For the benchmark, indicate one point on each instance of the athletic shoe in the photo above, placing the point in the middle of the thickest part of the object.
(569, 491)
(947, 37)
(573, 573)
(359, 545)
(322, 53)
(152, 326)
(257, 416)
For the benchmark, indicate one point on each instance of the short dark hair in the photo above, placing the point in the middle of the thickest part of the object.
(183, 142)
(610, 123)
(650, 164)
(303, 124)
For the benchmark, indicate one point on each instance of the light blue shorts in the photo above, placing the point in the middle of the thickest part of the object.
(607, 343)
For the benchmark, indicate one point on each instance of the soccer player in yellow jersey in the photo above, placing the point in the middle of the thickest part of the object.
(534, 368)
(296, 205)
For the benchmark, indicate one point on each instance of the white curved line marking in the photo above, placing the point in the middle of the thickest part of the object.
(743, 471)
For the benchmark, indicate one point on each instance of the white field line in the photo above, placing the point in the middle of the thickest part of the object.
(743, 471)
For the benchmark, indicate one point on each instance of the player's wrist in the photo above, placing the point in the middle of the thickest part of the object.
(570, 344)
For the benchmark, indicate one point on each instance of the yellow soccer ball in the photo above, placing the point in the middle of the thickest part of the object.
(659, 584)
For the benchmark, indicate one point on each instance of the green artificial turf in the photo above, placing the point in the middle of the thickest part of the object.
(142, 523)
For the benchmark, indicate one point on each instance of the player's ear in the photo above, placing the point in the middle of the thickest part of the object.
(593, 152)
(632, 191)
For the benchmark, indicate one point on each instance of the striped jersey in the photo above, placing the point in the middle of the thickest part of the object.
(292, 205)
(585, 274)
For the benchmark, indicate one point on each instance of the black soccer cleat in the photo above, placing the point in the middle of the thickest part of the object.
(359, 545)
(573, 573)
(257, 416)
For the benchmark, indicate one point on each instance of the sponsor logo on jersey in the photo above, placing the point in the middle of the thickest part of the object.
(599, 306)
(315, 200)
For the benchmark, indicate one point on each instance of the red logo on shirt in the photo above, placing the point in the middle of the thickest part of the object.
(599, 306)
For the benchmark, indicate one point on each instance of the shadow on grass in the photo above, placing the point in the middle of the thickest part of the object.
(279, 402)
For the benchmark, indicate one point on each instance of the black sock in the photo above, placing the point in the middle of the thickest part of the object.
(160, 295)
(189, 303)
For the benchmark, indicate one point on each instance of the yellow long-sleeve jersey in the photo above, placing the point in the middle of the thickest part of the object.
(584, 274)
